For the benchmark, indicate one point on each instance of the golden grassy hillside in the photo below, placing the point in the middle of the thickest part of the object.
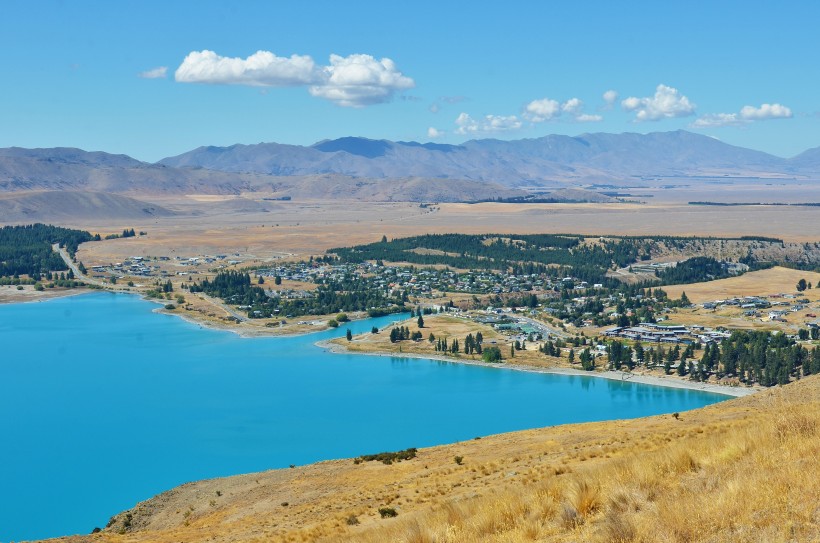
(745, 470)
(758, 283)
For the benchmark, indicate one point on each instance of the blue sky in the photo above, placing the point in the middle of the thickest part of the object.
(155, 79)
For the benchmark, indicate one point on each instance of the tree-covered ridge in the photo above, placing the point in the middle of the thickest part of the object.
(332, 296)
(531, 252)
(694, 270)
(27, 249)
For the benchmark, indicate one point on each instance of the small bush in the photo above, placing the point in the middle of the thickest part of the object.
(388, 512)
(352, 520)
(170, 307)
(388, 457)
(333, 323)
(491, 354)
(459, 460)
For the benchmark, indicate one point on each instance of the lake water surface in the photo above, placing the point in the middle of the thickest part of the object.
(104, 403)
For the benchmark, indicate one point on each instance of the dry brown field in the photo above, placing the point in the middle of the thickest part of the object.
(299, 229)
(775, 280)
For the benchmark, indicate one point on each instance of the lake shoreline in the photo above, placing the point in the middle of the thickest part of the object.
(10, 295)
(329, 345)
(671, 382)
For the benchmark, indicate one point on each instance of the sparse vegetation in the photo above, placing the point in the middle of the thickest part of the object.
(746, 466)
(389, 457)
(387, 512)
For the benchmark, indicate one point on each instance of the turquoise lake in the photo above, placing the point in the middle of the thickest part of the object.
(104, 403)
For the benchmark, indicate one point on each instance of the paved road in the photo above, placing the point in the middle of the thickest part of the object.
(108, 286)
(81, 276)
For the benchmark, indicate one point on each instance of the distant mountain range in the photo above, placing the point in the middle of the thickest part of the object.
(551, 161)
(360, 168)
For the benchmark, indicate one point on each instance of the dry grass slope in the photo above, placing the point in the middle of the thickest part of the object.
(755, 480)
(744, 470)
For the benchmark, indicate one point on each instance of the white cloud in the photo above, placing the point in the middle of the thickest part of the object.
(155, 73)
(261, 69)
(765, 111)
(546, 109)
(353, 81)
(610, 97)
(434, 133)
(665, 104)
(542, 110)
(586, 118)
(717, 119)
(573, 106)
(488, 124)
(747, 115)
(360, 80)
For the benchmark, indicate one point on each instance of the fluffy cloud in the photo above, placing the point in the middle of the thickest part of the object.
(434, 133)
(352, 81)
(542, 110)
(665, 104)
(717, 119)
(546, 109)
(572, 106)
(261, 69)
(488, 124)
(764, 112)
(610, 97)
(155, 73)
(360, 80)
(585, 118)
(746, 115)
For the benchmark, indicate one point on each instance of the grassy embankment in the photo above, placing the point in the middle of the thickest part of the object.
(743, 470)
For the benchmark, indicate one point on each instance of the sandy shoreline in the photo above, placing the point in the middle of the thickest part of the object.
(670, 382)
(328, 345)
(10, 295)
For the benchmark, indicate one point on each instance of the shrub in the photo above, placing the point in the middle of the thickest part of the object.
(170, 307)
(388, 457)
(459, 460)
(333, 323)
(352, 520)
(491, 354)
(387, 512)
(342, 317)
